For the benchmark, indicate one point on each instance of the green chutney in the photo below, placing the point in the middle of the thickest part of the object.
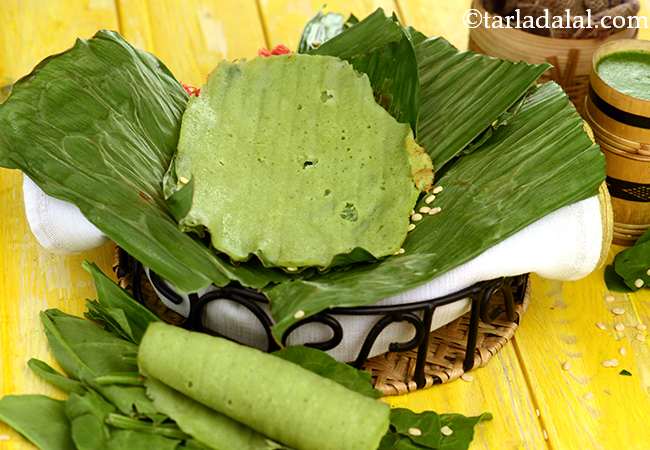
(627, 72)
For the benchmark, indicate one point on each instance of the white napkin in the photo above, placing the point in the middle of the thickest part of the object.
(57, 225)
(564, 245)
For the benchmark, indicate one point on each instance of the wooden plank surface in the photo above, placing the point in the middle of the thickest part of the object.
(192, 36)
(587, 406)
(584, 404)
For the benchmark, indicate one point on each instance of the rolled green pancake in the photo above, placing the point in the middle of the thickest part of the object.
(209, 427)
(272, 396)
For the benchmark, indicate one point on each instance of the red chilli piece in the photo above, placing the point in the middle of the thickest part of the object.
(191, 90)
(277, 50)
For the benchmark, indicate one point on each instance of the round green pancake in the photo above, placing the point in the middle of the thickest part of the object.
(292, 160)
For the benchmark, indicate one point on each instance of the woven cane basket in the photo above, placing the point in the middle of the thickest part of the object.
(392, 372)
(571, 58)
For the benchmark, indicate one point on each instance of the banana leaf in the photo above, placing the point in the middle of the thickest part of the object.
(379, 47)
(97, 126)
(541, 161)
(462, 94)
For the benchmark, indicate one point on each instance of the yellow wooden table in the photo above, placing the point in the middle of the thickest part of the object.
(536, 403)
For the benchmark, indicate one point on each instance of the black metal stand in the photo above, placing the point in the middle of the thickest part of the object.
(418, 314)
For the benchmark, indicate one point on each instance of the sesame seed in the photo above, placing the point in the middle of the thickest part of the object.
(619, 327)
(183, 180)
(425, 209)
(416, 217)
(292, 269)
(429, 199)
(566, 365)
(401, 251)
(412, 212)
(545, 435)
(639, 283)
(610, 362)
(537, 412)
(299, 314)
(438, 190)
(446, 431)
(648, 272)
(589, 396)
(4, 437)
(411, 226)
(622, 351)
(641, 327)
(467, 377)
(415, 431)
(640, 337)
(618, 311)
(435, 211)
(610, 298)
(601, 325)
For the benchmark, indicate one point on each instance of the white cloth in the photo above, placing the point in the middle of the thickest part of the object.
(57, 225)
(564, 245)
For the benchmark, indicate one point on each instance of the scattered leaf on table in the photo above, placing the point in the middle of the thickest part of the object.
(117, 307)
(87, 414)
(56, 379)
(85, 351)
(633, 264)
(40, 419)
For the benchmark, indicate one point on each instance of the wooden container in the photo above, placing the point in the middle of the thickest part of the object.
(571, 58)
(621, 125)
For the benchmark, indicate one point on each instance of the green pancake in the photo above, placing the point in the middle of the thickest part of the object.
(277, 398)
(212, 429)
(291, 159)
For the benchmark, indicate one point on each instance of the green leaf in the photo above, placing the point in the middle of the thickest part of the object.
(625, 373)
(85, 351)
(541, 161)
(137, 440)
(118, 308)
(395, 441)
(429, 425)
(128, 423)
(49, 374)
(41, 420)
(614, 281)
(97, 126)
(324, 365)
(633, 263)
(87, 414)
(379, 47)
(462, 94)
(463, 430)
(348, 183)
